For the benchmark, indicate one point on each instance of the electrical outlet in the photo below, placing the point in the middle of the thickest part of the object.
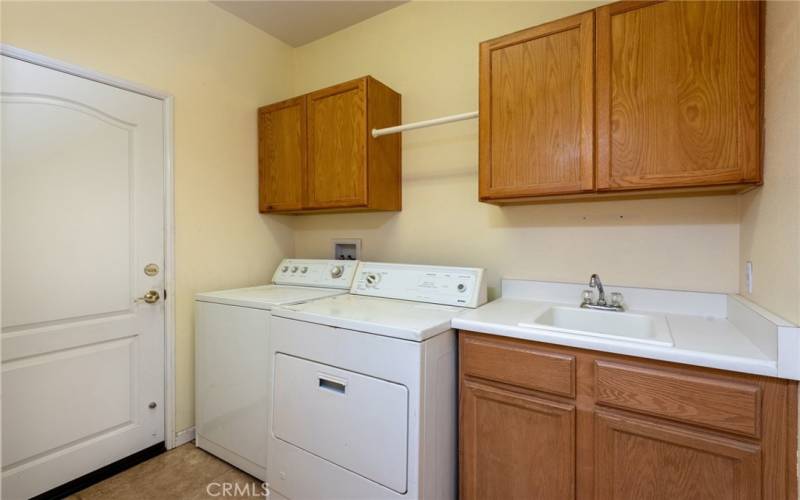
(748, 276)
(346, 249)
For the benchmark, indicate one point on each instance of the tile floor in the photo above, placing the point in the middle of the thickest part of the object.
(183, 473)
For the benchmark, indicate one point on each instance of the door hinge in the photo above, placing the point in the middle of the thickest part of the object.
(165, 294)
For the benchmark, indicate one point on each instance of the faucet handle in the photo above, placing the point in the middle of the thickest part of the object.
(587, 296)
(616, 299)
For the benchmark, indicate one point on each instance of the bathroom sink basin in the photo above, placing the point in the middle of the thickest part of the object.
(647, 329)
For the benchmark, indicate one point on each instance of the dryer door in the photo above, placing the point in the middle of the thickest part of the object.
(355, 421)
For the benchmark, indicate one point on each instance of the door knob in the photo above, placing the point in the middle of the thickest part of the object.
(151, 297)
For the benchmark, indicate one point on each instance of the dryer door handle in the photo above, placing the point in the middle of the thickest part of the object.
(333, 384)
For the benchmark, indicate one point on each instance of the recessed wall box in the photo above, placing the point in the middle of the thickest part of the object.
(347, 249)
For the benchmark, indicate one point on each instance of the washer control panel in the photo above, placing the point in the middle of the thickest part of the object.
(316, 272)
(455, 286)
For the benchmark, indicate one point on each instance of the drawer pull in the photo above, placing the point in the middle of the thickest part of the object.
(329, 384)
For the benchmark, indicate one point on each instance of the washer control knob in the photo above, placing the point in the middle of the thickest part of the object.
(336, 271)
(461, 287)
(304, 269)
(284, 269)
(373, 279)
(294, 269)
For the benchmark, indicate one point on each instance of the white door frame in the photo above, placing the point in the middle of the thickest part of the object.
(169, 210)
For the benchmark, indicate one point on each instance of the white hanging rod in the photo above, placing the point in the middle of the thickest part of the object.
(377, 132)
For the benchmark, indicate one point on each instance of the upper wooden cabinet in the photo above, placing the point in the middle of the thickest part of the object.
(678, 86)
(536, 111)
(317, 153)
(282, 155)
(630, 98)
(337, 162)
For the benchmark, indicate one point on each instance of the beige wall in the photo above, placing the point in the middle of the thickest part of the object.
(770, 227)
(428, 51)
(220, 70)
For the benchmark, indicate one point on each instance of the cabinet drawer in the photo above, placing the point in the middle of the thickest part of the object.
(519, 365)
(727, 405)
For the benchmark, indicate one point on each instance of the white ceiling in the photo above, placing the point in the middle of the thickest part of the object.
(300, 22)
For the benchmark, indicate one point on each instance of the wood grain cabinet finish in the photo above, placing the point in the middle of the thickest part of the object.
(631, 99)
(282, 155)
(338, 164)
(337, 146)
(678, 94)
(700, 400)
(632, 429)
(520, 365)
(638, 459)
(515, 445)
(536, 111)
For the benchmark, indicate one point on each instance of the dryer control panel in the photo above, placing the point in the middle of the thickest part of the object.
(316, 272)
(455, 286)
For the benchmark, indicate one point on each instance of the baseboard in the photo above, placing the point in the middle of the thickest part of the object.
(184, 436)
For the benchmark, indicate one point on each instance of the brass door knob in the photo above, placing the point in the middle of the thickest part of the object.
(151, 297)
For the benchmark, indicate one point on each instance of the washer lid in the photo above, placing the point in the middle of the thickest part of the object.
(389, 317)
(267, 296)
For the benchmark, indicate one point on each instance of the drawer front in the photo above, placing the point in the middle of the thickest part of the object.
(726, 405)
(519, 364)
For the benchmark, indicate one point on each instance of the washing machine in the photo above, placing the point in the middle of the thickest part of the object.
(232, 364)
(364, 386)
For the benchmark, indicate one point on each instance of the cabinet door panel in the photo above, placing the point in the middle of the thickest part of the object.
(282, 155)
(638, 459)
(536, 111)
(677, 94)
(337, 142)
(515, 445)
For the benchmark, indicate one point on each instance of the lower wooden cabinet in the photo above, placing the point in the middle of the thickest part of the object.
(638, 458)
(631, 429)
(515, 445)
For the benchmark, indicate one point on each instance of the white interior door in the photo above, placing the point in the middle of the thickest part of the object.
(82, 215)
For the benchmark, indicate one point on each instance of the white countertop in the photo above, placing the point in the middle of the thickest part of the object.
(733, 334)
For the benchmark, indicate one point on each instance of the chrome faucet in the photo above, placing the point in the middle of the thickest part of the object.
(594, 282)
(601, 304)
